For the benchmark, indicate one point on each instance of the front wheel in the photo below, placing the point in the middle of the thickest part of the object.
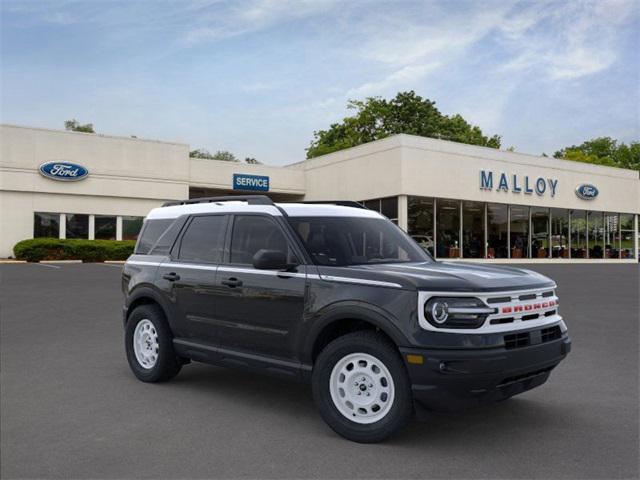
(361, 387)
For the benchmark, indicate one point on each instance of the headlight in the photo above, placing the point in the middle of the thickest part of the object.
(456, 312)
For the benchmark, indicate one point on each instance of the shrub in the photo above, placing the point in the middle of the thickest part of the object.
(37, 249)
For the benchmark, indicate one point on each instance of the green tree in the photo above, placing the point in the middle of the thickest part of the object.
(201, 153)
(377, 118)
(74, 126)
(252, 161)
(604, 151)
(219, 155)
(224, 155)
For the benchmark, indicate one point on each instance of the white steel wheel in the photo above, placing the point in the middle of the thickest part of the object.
(145, 344)
(361, 388)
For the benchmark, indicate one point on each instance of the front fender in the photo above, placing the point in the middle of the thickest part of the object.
(353, 310)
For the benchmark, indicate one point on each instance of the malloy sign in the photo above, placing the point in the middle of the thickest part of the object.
(514, 183)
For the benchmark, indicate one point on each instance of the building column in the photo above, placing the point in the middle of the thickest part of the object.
(403, 212)
(486, 233)
(92, 227)
(460, 230)
(635, 237)
(118, 228)
(63, 226)
(435, 227)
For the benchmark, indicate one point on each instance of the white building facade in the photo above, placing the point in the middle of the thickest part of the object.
(461, 202)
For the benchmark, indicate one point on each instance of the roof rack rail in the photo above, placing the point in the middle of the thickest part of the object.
(342, 203)
(250, 199)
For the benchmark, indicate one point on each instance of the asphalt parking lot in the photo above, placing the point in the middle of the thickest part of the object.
(70, 408)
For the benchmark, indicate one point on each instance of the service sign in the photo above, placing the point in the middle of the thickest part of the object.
(586, 191)
(258, 183)
(63, 171)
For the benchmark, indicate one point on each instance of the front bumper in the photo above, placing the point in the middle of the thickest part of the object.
(454, 379)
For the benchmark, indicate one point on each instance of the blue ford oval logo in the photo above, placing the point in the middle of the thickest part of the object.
(64, 171)
(586, 191)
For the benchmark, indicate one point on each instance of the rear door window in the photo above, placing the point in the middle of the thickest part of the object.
(203, 240)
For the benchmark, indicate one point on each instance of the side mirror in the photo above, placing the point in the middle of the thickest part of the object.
(270, 260)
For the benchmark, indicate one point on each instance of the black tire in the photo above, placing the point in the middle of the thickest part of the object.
(167, 364)
(381, 348)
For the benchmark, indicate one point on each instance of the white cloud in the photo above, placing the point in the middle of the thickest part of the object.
(564, 41)
(405, 77)
(250, 16)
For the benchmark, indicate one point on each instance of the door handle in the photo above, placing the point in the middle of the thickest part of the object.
(172, 277)
(232, 282)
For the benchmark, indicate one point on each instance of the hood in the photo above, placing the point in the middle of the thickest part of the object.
(446, 276)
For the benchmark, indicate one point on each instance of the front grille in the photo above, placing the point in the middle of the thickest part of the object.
(524, 339)
(521, 307)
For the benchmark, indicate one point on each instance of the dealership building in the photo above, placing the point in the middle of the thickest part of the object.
(459, 201)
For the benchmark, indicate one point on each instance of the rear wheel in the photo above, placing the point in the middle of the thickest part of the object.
(149, 345)
(361, 387)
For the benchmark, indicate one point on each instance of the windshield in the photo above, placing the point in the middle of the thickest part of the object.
(343, 241)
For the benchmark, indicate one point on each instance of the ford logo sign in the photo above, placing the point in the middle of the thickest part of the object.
(63, 171)
(586, 191)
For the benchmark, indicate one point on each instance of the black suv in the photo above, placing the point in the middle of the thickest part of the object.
(338, 296)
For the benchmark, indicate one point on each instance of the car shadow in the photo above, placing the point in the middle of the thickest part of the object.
(292, 401)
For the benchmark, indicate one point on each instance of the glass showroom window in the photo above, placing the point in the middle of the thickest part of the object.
(386, 206)
(131, 227)
(448, 228)
(539, 232)
(77, 226)
(105, 227)
(420, 221)
(595, 236)
(497, 230)
(611, 235)
(389, 208)
(473, 230)
(578, 234)
(46, 225)
(626, 235)
(559, 233)
(519, 231)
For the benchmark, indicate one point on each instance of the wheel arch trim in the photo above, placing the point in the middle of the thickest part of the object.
(351, 310)
(140, 293)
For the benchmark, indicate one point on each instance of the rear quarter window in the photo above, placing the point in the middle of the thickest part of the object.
(152, 230)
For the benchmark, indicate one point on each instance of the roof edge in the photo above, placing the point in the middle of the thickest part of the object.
(118, 137)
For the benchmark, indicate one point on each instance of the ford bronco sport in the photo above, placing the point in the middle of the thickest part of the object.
(337, 296)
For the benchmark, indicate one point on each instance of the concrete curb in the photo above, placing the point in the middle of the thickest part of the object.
(60, 261)
(8, 261)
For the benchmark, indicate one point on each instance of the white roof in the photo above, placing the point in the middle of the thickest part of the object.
(292, 209)
(325, 210)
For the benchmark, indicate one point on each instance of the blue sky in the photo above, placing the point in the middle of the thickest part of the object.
(258, 77)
